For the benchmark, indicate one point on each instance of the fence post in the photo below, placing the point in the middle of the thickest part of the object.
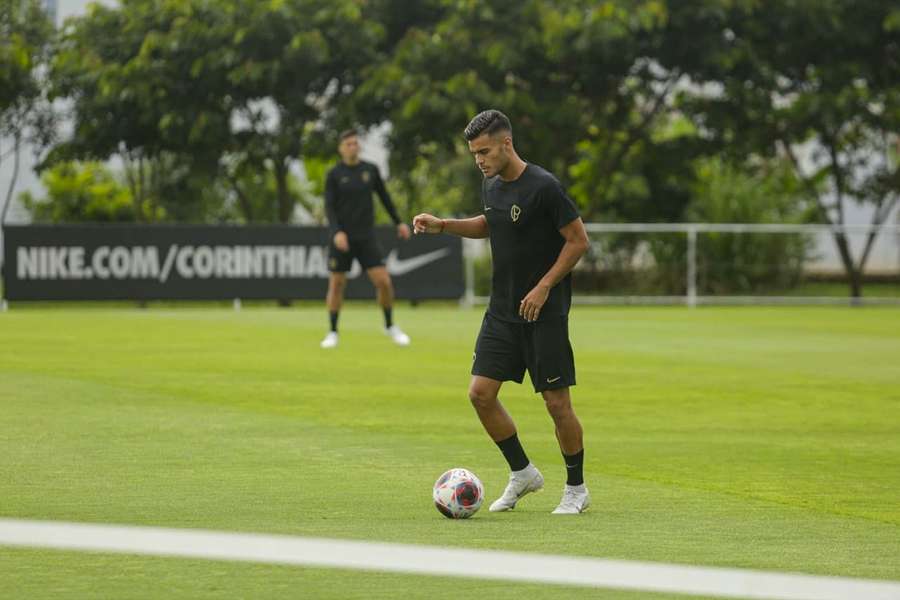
(691, 266)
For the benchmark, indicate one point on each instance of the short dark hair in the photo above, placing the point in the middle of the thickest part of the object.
(489, 122)
(347, 133)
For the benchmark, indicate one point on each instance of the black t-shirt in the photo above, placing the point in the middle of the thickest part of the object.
(524, 217)
(348, 199)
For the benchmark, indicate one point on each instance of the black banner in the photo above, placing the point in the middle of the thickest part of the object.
(182, 262)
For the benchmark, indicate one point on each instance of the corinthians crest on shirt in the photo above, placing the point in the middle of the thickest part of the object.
(515, 212)
(366, 176)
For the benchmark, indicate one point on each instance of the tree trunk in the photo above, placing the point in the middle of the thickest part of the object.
(243, 200)
(285, 202)
(853, 273)
(413, 203)
(155, 166)
(855, 286)
(15, 175)
(133, 185)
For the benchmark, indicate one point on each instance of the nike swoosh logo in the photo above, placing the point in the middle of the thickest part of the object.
(487, 208)
(554, 380)
(402, 266)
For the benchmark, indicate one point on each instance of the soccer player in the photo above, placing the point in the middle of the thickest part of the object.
(536, 239)
(351, 220)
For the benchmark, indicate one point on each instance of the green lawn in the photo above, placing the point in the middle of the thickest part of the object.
(751, 437)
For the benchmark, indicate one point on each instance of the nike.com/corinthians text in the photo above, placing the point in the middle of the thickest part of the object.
(189, 262)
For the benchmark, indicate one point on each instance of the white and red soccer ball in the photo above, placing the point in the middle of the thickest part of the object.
(458, 494)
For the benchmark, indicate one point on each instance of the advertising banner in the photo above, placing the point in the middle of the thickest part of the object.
(181, 262)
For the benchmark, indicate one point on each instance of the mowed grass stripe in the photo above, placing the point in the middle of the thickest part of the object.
(758, 438)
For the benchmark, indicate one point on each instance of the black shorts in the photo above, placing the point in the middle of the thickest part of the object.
(365, 250)
(504, 350)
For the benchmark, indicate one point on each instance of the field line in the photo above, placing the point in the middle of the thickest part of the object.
(433, 560)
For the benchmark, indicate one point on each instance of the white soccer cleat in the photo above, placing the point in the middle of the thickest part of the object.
(331, 340)
(520, 483)
(396, 334)
(576, 499)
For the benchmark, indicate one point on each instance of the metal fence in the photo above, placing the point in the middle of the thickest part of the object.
(723, 263)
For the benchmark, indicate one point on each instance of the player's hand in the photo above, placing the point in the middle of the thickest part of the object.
(403, 231)
(425, 223)
(341, 242)
(531, 304)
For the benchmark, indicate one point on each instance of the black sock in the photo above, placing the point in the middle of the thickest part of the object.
(388, 317)
(575, 468)
(334, 318)
(513, 452)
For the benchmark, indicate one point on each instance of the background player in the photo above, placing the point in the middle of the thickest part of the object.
(351, 220)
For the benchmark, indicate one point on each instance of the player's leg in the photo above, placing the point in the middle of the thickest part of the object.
(551, 365)
(568, 428)
(384, 293)
(337, 283)
(569, 433)
(370, 256)
(384, 289)
(333, 300)
(494, 418)
(339, 263)
(497, 359)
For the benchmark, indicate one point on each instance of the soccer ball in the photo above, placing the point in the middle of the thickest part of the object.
(458, 494)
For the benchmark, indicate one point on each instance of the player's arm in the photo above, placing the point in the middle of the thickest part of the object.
(576, 245)
(474, 227)
(338, 236)
(388, 203)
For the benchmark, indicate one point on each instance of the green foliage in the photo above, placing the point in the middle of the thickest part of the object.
(175, 190)
(439, 181)
(816, 84)
(92, 192)
(766, 193)
(575, 78)
(230, 87)
(24, 34)
(256, 196)
(727, 263)
(625, 100)
(132, 74)
(25, 116)
(81, 192)
(748, 263)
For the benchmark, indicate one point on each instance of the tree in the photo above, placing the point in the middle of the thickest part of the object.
(136, 94)
(295, 64)
(81, 192)
(232, 89)
(816, 83)
(466, 57)
(25, 34)
(729, 263)
(580, 81)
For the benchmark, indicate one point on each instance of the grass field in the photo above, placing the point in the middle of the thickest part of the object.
(764, 438)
